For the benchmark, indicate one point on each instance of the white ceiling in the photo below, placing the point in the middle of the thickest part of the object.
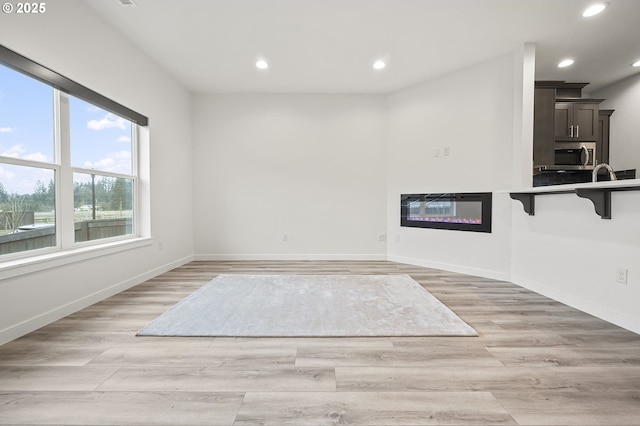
(329, 46)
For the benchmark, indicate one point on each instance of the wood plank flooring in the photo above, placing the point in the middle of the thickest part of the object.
(535, 362)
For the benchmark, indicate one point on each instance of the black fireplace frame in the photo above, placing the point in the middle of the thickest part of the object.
(484, 197)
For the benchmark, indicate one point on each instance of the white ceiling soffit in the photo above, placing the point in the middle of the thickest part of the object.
(329, 46)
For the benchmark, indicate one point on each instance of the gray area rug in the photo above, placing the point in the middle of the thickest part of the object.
(309, 306)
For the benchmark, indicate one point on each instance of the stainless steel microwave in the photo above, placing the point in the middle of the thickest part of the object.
(575, 155)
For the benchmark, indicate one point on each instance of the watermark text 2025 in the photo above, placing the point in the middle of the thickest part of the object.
(24, 8)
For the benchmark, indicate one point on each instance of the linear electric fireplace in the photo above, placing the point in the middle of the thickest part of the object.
(468, 211)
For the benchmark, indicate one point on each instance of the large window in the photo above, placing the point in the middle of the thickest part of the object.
(68, 164)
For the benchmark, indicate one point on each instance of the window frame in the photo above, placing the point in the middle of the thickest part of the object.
(66, 248)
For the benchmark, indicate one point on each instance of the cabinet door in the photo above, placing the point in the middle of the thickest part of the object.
(562, 122)
(576, 121)
(602, 151)
(543, 140)
(585, 122)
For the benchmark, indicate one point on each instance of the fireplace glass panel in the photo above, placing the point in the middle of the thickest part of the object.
(456, 211)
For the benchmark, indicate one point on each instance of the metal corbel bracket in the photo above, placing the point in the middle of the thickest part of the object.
(528, 201)
(601, 199)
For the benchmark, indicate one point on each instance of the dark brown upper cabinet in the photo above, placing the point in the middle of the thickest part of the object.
(576, 120)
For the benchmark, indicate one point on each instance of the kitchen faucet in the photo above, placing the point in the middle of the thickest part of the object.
(594, 174)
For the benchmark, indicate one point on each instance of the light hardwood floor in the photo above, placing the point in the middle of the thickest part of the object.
(536, 362)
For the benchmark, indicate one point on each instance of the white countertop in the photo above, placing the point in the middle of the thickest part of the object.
(572, 187)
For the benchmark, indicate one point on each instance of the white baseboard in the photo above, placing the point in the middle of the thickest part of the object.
(354, 257)
(478, 272)
(27, 326)
(485, 273)
(597, 310)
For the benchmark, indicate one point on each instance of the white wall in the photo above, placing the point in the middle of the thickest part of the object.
(624, 98)
(471, 112)
(309, 166)
(71, 40)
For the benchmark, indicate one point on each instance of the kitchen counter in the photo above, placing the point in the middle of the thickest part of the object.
(598, 192)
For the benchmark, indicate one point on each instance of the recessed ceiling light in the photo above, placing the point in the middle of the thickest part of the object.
(565, 63)
(594, 9)
(262, 64)
(379, 64)
(128, 3)
(636, 64)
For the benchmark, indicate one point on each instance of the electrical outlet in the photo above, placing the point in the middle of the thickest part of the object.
(285, 237)
(382, 237)
(621, 275)
(446, 150)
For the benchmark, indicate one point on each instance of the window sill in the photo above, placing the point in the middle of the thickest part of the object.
(28, 265)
